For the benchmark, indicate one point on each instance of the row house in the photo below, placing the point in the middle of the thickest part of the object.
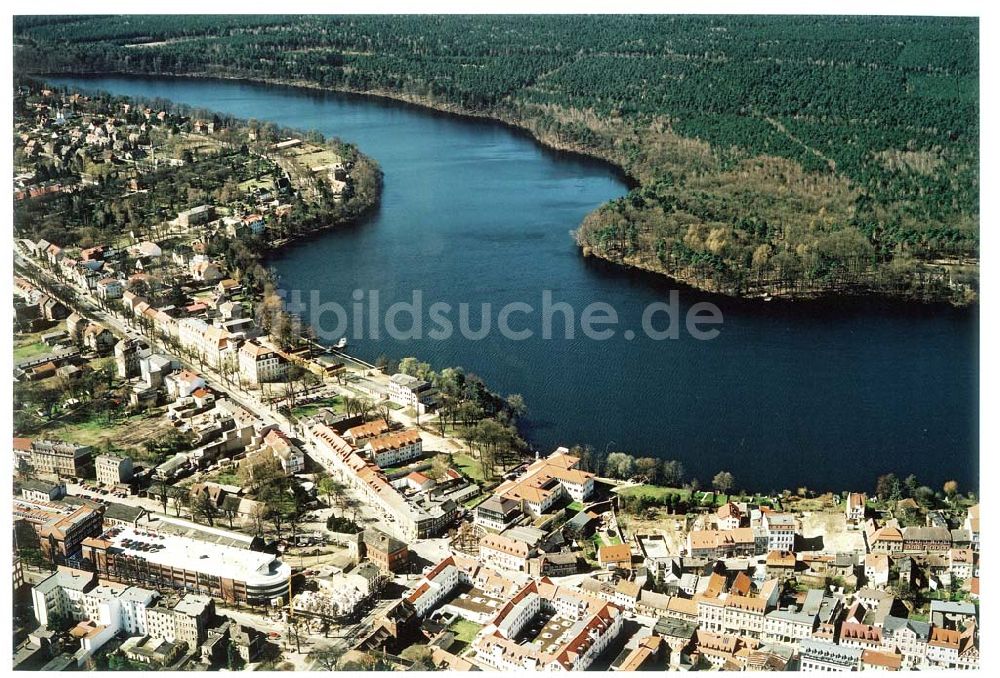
(744, 615)
(206, 340)
(718, 544)
(909, 637)
(823, 655)
(497, 550)
(971, 525)
(863, 636)
(926, 539)
(962, 563)
(788, 626)
(886, 539)
(394, 448)
(953, 649)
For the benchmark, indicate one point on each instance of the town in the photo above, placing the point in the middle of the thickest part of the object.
(199, 485)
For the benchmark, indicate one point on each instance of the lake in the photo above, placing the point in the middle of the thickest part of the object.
(824, 395)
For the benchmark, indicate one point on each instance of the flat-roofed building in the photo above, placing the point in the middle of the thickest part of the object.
(165, 560)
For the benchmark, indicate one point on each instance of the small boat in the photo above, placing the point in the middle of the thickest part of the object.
(341, 344)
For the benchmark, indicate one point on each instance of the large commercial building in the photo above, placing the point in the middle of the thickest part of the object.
(163, 559)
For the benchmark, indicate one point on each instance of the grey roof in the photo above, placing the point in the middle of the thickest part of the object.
(382, 541)
(580, 520)
(826, 651)
(798, 617)
(38, 486)
(949, 607)
(123, 512)
(675, 628)
(920, 628)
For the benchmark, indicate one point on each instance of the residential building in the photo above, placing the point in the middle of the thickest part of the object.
(211, 343)
(497, 550)
(290, 456)
(854, 507)
(109, 288)
(821, 655)
(718, 544)
(586, 627)
(196, 216)
(907, 636)
(780, 530)
(728, 516)
(387, 552)
(112, 469)
(877, 570)
(259, 364)
(926, 539)
(498, 513)
(409, 391)
(394, 448)
(54, 457)
(618, 556)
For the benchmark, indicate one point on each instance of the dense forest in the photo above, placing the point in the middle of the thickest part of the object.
(772, 155)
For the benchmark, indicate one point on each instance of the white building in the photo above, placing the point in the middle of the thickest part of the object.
(259, 364)
(780, 531)
(394, 448)
(820, 655)
(112, 470)
(213, 343)
(505, 553)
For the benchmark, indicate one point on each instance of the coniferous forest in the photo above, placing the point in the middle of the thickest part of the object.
(771, 155)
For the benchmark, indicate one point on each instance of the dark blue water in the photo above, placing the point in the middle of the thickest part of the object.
(826, 396)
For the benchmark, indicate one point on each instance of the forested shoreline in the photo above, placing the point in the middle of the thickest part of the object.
(786, 156)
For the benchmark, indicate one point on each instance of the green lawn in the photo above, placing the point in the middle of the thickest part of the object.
(23, 351)
(575, 507)
(655, 492)
(464, 630)
(476, 501)
(467, 465)
(336, 403)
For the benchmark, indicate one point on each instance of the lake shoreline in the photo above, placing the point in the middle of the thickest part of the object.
(427, 103)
